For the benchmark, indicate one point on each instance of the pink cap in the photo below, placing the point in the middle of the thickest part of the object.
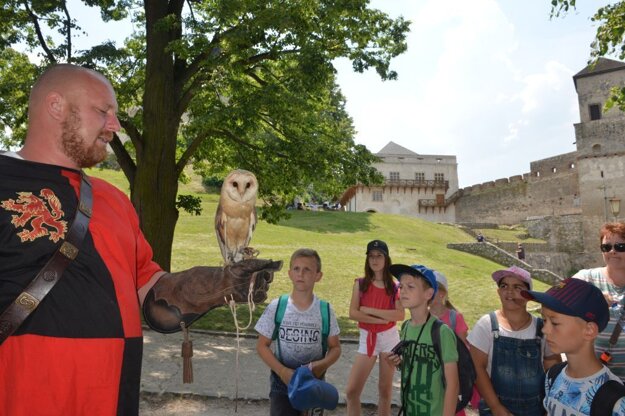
(513, 271)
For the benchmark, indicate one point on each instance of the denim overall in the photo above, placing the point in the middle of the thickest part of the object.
(517, 373)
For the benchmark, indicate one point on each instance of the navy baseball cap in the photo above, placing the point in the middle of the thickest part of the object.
(574, 297)
(416, 270)
(378, 245)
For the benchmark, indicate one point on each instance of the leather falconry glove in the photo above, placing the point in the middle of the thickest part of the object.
(189, 294)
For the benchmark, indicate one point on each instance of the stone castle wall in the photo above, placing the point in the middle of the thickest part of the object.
(551, 189)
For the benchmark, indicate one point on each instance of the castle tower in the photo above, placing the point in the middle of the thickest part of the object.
(600, 141)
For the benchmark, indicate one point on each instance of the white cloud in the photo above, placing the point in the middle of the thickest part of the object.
(488, 81)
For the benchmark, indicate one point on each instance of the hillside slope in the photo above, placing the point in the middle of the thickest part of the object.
(340, 238)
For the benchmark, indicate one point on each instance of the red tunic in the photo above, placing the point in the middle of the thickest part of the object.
(80, 351)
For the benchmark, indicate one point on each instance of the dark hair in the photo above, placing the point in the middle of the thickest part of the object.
(389, 284)
(617, 228)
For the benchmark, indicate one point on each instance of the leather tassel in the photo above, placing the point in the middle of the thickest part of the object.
(187, 353)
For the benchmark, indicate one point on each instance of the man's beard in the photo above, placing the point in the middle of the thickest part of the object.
(74, 144)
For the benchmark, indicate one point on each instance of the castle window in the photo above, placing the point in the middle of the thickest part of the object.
(419, 176)
(394, 176)
(572, 166)
(554, 170)
(439, 177)
(377, 195)
(595, 111)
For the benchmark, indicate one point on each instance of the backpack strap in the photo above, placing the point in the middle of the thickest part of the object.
(494, 324)
(277, 320)
(452, 319)
(553, 373)
(539, 328)
(325, 325)
(436, 342)
(606, 397)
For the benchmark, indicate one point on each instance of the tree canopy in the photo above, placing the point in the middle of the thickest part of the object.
(221, 84)
(609, 39)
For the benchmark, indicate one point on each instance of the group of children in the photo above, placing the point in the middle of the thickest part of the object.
(511, 349)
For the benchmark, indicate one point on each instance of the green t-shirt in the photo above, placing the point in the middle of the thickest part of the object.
(424, 394)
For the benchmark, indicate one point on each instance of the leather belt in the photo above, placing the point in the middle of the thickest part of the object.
(44, 281)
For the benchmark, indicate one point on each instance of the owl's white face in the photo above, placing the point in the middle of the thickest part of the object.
(241, 186)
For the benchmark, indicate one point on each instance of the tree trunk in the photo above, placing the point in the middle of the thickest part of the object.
(156, 183)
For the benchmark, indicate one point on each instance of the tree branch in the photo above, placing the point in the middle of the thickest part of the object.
(68, 27)
(229, 135)
(189, 152)
(125, 161)
(264, 56)
(135, 135)
(42, 41)
(250, 73)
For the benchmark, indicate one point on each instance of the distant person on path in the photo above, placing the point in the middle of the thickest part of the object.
(75, 267)
(375, 305)
(510, 383)
(480, 237)
(610, 279)
(442, 308)
(574, 313)
(299, 338)
(422, 389)
(520, 251)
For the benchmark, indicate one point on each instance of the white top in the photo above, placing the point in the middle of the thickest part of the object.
(12, 154)
(300, 332)
(481, 337)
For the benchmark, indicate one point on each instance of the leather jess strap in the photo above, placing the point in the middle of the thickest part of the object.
(44, 281)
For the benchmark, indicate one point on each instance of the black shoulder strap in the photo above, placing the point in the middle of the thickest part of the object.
(539, 328)
(436, 342)
(553, 373)
(606, 397)
(27, 301)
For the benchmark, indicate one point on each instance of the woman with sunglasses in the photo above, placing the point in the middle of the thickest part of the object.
(611, 280)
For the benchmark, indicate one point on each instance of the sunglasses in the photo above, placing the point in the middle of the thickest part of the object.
(618, 247)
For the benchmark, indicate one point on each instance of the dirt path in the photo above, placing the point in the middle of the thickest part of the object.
(180, 405)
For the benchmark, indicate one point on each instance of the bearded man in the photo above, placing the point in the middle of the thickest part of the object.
(76, 268)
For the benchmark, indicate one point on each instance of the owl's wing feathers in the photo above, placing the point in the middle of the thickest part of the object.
(252, 227)
(220, 230)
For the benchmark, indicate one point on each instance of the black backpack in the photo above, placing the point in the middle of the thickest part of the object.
(604, 399)
(466, 369)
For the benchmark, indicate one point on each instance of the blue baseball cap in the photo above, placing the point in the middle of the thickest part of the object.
(308, 392)
(416, 270)
(574, 297)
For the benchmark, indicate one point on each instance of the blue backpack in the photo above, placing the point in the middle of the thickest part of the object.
(325, 322)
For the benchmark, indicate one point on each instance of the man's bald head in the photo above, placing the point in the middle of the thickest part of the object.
(62, 78)
(72, 116)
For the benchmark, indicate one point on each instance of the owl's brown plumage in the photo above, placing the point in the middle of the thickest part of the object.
(235, 219)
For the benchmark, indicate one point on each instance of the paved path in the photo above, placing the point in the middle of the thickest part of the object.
(215, 369)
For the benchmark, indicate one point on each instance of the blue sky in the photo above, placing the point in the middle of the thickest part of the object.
(488, 81)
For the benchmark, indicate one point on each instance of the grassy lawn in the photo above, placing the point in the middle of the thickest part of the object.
(516, 235)
(341, 239)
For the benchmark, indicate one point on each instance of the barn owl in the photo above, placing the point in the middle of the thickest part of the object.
(235, 219)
